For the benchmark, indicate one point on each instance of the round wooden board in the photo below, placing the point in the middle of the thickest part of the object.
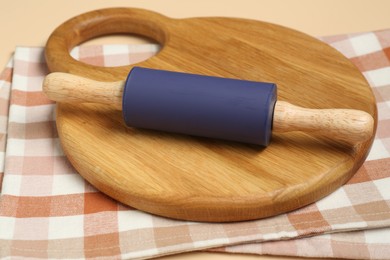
(203, 179)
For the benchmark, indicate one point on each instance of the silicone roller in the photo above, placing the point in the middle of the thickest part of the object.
(214, 107)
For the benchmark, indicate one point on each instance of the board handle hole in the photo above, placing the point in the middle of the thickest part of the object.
(116, 50)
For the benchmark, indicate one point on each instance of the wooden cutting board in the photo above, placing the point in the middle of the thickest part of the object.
(203, 179)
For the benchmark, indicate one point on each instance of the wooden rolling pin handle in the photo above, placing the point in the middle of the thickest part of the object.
(64, 87)
(350, 125)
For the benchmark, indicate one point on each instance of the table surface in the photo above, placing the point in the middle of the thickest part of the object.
(29, 23)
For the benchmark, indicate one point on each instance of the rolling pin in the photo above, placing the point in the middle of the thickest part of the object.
(222, 108)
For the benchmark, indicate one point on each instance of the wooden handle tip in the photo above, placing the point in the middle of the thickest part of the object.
(352, 126)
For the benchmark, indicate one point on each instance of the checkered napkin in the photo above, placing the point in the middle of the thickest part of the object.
(48, 211)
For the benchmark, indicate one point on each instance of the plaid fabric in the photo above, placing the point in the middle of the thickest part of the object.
(5, 86)
(48, 211)
(366, 244)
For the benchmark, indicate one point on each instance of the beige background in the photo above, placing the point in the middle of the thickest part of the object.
(29, 23)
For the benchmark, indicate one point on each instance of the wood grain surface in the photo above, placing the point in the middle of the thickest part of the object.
(203, 179)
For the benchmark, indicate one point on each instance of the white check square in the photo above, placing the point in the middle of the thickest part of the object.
(22, 53)
(337, 199)
(20, 82)
(66, 227)
(68, 184)
(115, 49)
(365, 43)
(378, 151)
(379, 77)
(134, 219)
(7, 226)
(377, 236)
(15, 147)
(383, 186)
